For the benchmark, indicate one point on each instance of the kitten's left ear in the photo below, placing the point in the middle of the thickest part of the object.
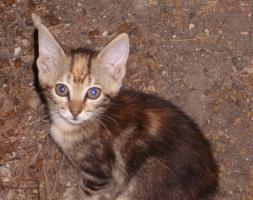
(51, 55)
(113, 57)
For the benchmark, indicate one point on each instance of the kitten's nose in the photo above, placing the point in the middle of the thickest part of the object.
(75, 107)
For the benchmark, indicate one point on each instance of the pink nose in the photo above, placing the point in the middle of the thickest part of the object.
(75, 107)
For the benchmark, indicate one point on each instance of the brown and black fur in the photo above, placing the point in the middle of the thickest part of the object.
(172, 163)
(138, 146)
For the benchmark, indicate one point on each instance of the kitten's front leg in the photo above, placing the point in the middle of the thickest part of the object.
(76, 193)
(73, 193)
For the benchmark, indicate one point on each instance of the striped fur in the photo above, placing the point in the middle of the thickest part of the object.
(127, 145)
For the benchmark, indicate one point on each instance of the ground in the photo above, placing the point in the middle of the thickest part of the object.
(196, 53)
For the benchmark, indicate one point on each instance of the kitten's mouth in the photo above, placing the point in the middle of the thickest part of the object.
(71, 121)
(74, 121)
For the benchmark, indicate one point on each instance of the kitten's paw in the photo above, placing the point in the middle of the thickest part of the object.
(73, 193)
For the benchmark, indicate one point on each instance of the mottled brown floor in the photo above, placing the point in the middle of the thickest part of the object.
(197, 53)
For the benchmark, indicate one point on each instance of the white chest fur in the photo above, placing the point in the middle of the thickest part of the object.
(63, 133)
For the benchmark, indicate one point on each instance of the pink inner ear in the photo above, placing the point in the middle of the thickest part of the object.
(116, 71)
(43, 64)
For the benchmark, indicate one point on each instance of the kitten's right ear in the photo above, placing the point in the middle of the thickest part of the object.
(113, 58)
(51, 54)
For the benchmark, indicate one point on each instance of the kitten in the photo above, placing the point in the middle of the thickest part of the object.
(125, 144)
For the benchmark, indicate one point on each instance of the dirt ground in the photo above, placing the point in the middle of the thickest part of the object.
(196, 53)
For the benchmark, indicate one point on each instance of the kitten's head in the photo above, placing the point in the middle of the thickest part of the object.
(80, 84)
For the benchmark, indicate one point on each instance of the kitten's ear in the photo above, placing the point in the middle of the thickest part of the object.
(51, 54)
(113, 57)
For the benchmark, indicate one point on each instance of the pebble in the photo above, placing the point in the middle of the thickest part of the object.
(17, 51)
(207, 31)
(88, 42)
(151, 88)
(105, 33)
(191, 26)
(164, 73)
(25, 42)
(243, 152)
(93, 33)
(29, 22)
(53, 20)
(123, 28)
(244, 33)
(6, 173)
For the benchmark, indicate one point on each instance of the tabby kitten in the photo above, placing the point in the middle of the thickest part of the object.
(126, 145)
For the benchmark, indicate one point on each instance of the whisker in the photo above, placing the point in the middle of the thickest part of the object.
(107, 118)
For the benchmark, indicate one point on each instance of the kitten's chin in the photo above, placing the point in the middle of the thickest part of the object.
(61, 119)
(72, 121)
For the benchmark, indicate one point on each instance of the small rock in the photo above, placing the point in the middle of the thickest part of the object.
(53, 20)
(237, 121)
(191, 26)
(93, 33)
(207, 31)
(105, 33)
(5, 173)
(244, 33)
(243, 152)
(34, 4)
(151, 88)
(123, 28)
(25, 42)
(216, 108)
(164, 73)
(17, 51)
(29, 22)
(88, 42)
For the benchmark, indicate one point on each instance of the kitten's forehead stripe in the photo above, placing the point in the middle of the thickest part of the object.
(89, 60)
(79, 67)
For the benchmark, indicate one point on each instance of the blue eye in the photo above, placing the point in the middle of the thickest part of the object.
(61, 90)
(93, 93)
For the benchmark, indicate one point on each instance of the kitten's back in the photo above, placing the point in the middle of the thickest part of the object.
(166, 155)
